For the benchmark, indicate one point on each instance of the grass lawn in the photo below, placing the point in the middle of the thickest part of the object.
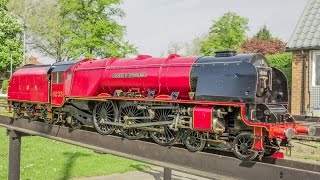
(6, 113)
(48, 159)
(306, 150)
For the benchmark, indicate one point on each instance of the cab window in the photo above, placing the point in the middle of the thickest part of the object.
(57, 77)
(69, 75)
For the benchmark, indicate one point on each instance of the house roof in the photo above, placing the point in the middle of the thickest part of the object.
(33, 60)
(306, 34)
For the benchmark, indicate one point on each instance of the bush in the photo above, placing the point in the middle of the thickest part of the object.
(255, 45)
(5, 85)
(283, 62)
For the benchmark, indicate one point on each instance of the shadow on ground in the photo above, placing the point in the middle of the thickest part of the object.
(71, 159)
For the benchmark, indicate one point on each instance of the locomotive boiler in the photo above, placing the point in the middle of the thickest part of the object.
(235, 101)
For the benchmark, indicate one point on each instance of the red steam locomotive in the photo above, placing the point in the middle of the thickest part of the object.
(232, 101)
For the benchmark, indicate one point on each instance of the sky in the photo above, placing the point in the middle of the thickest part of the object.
(153, 24)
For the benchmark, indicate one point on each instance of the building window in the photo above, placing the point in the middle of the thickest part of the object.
(316, 69)
(57, 77)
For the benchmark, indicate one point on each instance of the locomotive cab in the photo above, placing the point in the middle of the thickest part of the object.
(61, 81)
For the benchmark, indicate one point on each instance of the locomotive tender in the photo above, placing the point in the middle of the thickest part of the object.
(228, 100)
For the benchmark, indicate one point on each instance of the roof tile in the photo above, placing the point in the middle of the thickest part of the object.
(307, 31)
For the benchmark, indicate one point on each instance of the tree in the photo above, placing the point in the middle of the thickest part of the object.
(10, 44)
(42, 23)
(92, 30)
(255, 45)
(193, 48)
(175, 48)
(263, 42)
(264, 34)
(64, 29)
(228, 32)
(45, 25)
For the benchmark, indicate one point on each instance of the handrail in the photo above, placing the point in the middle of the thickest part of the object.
(206, 164)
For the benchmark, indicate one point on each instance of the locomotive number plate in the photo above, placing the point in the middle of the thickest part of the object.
(129, 75)
(57, 94)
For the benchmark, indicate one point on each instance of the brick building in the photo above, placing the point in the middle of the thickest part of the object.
(304, 44)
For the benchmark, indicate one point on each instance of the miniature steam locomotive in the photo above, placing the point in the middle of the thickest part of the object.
(230, 100)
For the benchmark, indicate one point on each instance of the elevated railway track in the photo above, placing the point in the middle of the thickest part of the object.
(205, 164)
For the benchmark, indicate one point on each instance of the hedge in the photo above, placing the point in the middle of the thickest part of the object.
(5, 85)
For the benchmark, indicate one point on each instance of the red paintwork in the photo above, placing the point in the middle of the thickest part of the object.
(202, 118)
(29, 84)
(57, 97)
(277, 155)
(86, 78)
(164, 75)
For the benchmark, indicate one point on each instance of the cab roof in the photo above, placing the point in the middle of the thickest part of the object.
(63, 65)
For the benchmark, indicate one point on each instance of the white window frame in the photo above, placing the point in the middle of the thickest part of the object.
(313, 70)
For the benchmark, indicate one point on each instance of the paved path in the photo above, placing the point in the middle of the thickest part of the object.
(155, 173)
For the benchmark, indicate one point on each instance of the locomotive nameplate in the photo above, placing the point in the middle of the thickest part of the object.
(129, 75)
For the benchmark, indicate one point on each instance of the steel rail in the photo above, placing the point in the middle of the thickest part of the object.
(201, 163)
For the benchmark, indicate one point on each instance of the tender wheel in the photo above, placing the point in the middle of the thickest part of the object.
(44, 115)
(75, 124)
(30, 112)
(242, 147)
(129, 109)
(167, 137)
(105, 112)
(193, 141)
(16, 111)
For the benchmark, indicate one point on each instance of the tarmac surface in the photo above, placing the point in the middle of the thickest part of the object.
(154, 173)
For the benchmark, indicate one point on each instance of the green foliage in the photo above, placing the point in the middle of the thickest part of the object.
(48, 159)
(5, 84)
(43, 26)
(264, 34)
(228, 32)
(64, 29)
(45, 23)
(92, 30)
(264, 43)
(193, 48)
(10, 44)
(283, 62)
